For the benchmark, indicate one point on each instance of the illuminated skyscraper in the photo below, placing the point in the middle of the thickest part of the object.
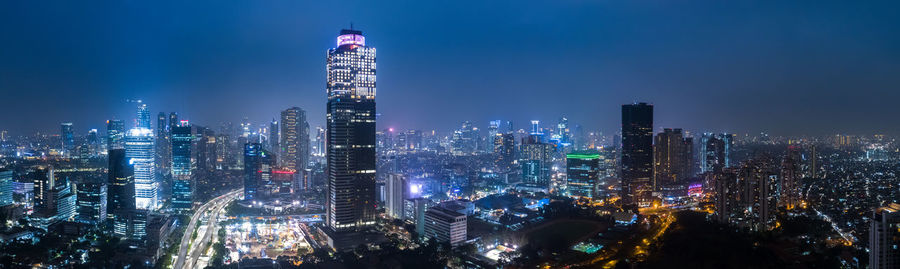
(139, 150)
(68, 138)
(182, 192)
(715, 152)
(637, 153)
(274, 137)
(673, 157)
(143, 116)
(258, 164)
(115, 134)
(505, 150)
(91, 200)
(350, 202)
(294, 139)
(6, 187)
(396, 190)
(583, 174)
(465, 140)
(163, 144)
(120, 192)
(536, 158)
(884, 237)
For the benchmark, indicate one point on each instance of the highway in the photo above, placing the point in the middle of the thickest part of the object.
(207, 214)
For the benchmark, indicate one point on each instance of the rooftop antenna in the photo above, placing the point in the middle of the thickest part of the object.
(351, 26)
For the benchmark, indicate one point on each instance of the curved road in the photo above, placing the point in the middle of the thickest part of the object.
(211, 210)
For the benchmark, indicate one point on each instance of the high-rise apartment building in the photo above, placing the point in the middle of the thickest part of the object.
(396, 191)
(294, 139)
(673, 157)
(884, 237)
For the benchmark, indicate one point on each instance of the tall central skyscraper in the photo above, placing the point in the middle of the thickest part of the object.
(139, 150)
(351, 133)
(637, 153)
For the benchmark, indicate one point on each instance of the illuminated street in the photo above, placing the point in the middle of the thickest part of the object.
(209, 213)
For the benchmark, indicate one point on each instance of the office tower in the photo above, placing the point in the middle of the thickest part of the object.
(274, 137)
(637, 153)
(54, 198)
(258, 164)
(120, 192)
(884, 237)
(465, 140)
(493, 130)
(6, 187)
(582, 174)
(182, 193)
(414, 212)
(505, 150)
(163, 144)
(397, 190)
(413, 140)
(350, 201)
(115, 134)
(94, 143)
(445, 225)
(139, 149)
(673, 157)
(91, 200)
(205, 153)
(536, 128)
(715, 151)
(143, 116)
(3, 135)
(294, 139)
(536, 158)
(67, 136)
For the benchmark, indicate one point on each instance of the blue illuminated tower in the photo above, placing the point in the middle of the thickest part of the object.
(182, 192)
(139, 149)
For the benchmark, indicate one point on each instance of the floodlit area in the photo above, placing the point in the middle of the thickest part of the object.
(493, 252)
(268, 239)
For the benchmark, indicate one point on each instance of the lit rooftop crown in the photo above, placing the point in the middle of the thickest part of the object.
(351, 37)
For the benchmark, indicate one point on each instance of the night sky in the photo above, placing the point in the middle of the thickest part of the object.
(785, 67)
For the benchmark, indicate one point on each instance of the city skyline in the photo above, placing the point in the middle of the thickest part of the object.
(526, 135)
(783, 74)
